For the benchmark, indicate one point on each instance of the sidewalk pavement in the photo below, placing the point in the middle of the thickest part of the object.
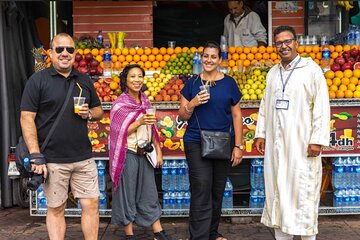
(16, 223)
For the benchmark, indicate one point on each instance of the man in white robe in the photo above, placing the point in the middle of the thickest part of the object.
(294, 120)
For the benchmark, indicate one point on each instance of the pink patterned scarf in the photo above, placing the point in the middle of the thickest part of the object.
(124, 111)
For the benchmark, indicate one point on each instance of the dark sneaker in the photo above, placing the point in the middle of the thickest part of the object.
(130, 237)
(161, 236)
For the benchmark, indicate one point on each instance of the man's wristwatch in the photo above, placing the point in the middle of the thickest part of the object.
(241, 147)
(89, 115)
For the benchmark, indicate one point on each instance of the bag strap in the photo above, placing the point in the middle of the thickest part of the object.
(57, 120)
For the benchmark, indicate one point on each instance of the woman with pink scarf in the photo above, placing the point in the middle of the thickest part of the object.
(135, 197)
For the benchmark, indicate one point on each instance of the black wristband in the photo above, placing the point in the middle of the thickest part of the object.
(39, 158)
(241, 147)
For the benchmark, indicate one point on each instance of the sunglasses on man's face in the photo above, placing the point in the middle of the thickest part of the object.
(70, 50)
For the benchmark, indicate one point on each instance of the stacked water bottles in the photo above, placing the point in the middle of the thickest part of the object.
(175, 184)
(101, 165)
(227, 201)
(257, 194)
(353, 35)
(346, 180)
(41, 200)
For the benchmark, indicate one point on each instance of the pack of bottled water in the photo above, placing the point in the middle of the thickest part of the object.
(227, 201)
(41, 200)
(257, 173)
(352, 36)
(175, 175)
(346, 172)
(102, 200)
(257, 198)
(176, 200)
(101, 166)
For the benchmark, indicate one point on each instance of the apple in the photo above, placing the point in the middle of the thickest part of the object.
(340, 60)
(351, 61)
(94, 63)
(346, 55)
(346, 66)
(103, 94)
(78, 57)
(100, 80)
(113, 97)
(336, 67)
(83, 69)
(83, 63)
(96, 85)
(107, 98)
(100, 71)
(76, 64)
(88, 57)
(93, 72)
(354, 52)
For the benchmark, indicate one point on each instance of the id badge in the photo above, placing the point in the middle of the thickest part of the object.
(282, 104)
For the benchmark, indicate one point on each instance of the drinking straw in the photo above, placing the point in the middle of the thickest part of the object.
(79, 93)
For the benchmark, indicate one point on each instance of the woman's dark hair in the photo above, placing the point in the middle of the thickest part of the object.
(213, 44)
(281, 29)
(125, 72)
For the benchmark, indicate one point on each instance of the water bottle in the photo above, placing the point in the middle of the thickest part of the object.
(107, 62)
(325, 60)
(351, 37)
(261, 173)
(187, 200)
(357, 172)
(261, 197)
(353, 197)
(337, 172)
(173, 176)
(348, 170)
(102, 200)
(166, 201)
(257, 173)
(179, 200)
(27, 164)
(357, 37)
(172, 202)
(100, 37)
(228, 195)
(101, 164)
(165, 176)
(183, 176)
(337, 198)
(254, 198)
(102, 179)
(41, 197)
(196, 60)
(224, 54)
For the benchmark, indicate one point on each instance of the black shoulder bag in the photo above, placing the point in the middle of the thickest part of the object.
(22, 152)
(215, 144)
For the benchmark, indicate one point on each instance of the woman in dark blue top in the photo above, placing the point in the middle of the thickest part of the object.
(217, 111)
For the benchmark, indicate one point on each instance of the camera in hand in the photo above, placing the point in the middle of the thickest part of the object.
(148, 147)
(35, 181)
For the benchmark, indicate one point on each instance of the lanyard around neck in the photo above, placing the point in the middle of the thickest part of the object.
(287, 79)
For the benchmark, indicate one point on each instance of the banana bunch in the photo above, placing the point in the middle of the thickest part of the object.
(346, 4)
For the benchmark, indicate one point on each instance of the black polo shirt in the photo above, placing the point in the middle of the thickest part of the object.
(45, 93)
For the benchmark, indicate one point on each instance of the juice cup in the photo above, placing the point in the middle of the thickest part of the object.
(78, 102)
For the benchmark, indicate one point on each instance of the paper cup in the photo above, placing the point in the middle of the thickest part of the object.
(78, 102)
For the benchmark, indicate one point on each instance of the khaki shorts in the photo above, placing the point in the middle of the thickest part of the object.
(82, 177)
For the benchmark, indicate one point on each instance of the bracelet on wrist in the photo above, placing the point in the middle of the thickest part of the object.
(89, 116)
(187, 110)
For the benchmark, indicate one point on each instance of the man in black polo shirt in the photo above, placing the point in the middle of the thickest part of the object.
(68, 153)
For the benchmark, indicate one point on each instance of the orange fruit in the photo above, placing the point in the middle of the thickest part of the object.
(136, 58)
(231, 63)
(316, 49)
(159, 57)
(114, 85)
(339, 48)
(231, 50)
(178, 50)
(261, 49)
(329, 74)
(173, 55)
(151, 58)
(334, 55)
(246, 50)
(144, 58)
(117, 51)
(141, 63)
(270, 49)
(242, 56)
(354, 80)
(342, 87)
(312, 55)
(101, 52)
(95, 52)
(336, 81)
(147, 51)
(139, 51)
(166, 57)
(331, 48)
(276, 61)
(129, 58)
(239, 49)
(340, 94)
(246, 63)
(124, 64)
(200, 49)
(332, 95)
(162, 50)
(266, 56)
(348, 94)
(155, 64)
(113, 58)
(308, 49)
(351, 87)
(185, 49)
(79, 50)
(154, 51)
(258, 56)
(235, 56)
(125, 51)
(273, 56)
(333, 88)
(301, 49)
(339, 74)
(328, 82)
(347, 48)
(356, 73)
(147, 64)
(254, 49)
(356, 94)
(162, 64)
(99, 58)
(170, 51)
(250, 56)
(86, 51)
(116, 79)
(193, 49)
(348, 73)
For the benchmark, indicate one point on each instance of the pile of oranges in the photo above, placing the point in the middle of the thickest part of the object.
(343, 84)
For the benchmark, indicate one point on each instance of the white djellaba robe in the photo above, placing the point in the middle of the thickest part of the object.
(293, 180)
